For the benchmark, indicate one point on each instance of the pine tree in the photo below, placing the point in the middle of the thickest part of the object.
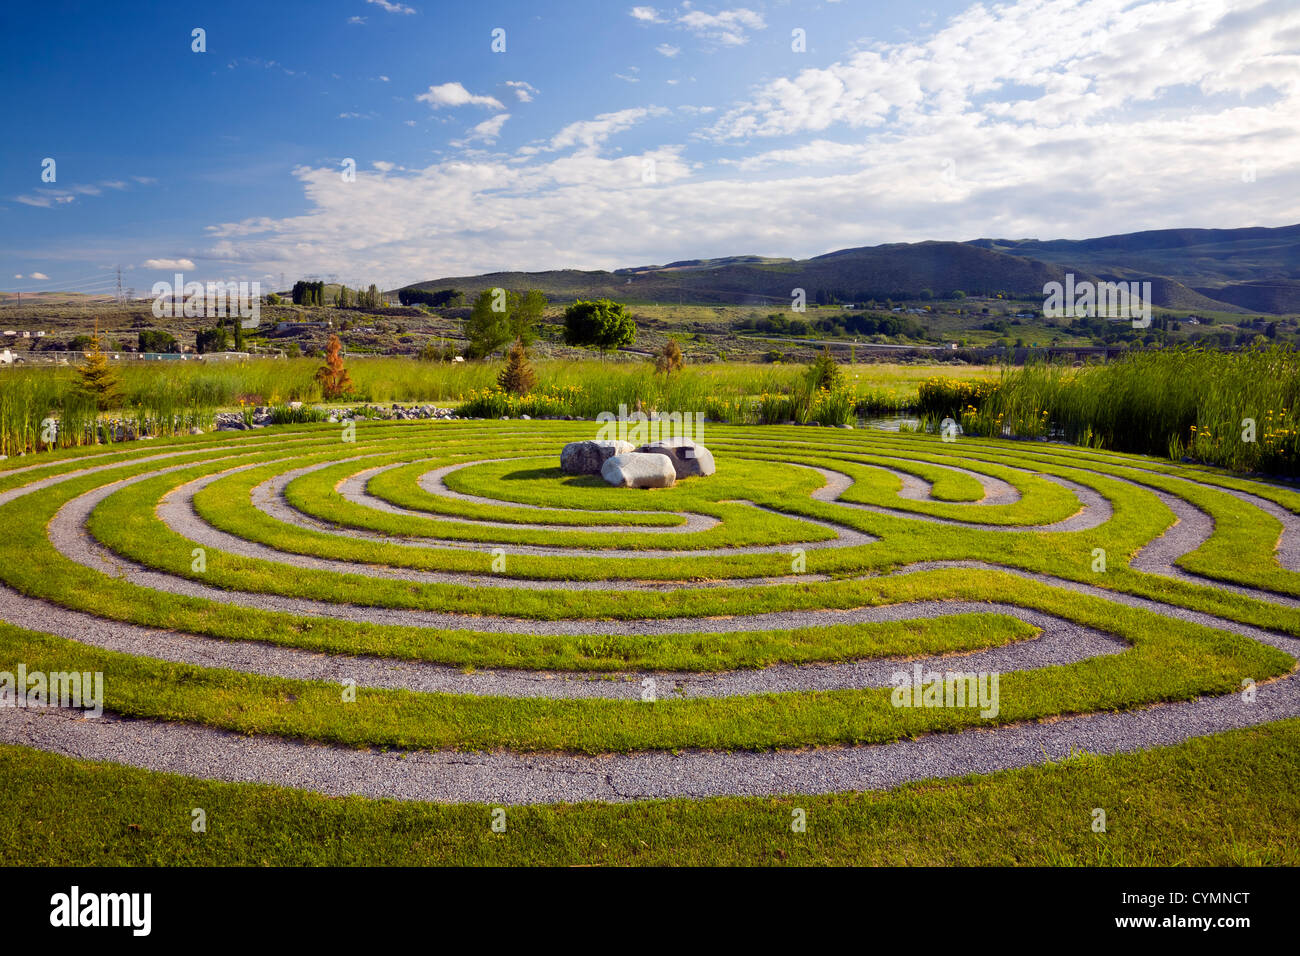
(333, 377)
(518, 377)
(96, 378)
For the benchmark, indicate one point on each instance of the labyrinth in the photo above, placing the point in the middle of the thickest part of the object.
(433, 611)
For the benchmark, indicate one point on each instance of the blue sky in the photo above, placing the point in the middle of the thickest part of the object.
(610, 134)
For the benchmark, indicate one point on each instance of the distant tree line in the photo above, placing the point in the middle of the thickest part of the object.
(436, 299)
(849, 323)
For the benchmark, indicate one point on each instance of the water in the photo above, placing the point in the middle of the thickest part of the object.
(888, 424)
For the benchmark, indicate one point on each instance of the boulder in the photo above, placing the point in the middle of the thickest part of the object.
(689, 459)
(587, 457)
(635, 470)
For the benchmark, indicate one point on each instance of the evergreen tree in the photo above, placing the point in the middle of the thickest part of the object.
(96, 378)
(518, 377)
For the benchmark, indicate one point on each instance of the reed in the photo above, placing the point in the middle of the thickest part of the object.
(1237, 410)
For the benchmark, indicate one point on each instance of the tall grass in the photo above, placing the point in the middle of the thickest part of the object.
(169, 398)
(1173, 402)
(785, 395)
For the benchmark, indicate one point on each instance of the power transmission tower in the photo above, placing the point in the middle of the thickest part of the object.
(120, 300)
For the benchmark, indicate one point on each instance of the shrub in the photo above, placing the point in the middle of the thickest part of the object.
(669, 358)
(334, 379)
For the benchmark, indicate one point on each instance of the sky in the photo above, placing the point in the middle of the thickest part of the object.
(395, 142)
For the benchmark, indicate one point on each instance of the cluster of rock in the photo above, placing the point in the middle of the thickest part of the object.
(261, 415)
(655, 465)
(398, 412)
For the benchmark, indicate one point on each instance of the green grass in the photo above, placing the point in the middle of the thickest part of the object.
(1229, 800)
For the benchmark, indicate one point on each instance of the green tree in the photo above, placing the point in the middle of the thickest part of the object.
(602, 325)
(526, 314)
(96, 378)
(156, 340)
(488, 326)
(210, 340)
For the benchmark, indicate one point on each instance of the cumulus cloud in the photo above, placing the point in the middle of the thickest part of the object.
(454, 94)
(645, 14)
(668, 50)
(170, 264)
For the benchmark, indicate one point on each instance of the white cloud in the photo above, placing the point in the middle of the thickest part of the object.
(668, 50)
(39, 276)
(356, 21)
(485, 132)
(727, 27)
(590, 133)
(645, 14)
(523, 91)
(170, 264)
(391, 7)
(454, 94)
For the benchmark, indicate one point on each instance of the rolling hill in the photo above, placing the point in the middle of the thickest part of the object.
(1226, 270)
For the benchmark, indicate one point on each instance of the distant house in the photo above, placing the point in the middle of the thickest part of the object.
(10, 332)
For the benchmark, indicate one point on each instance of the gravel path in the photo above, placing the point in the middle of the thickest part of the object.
(1095, 510)
(506, 778)
(1060, 642)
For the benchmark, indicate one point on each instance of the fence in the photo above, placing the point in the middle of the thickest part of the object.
(11, 358)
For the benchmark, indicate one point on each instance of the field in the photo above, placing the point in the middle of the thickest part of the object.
(415, 642)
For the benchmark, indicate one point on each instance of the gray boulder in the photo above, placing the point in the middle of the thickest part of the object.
(635, 470)
(587, 457)
(689, 458)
